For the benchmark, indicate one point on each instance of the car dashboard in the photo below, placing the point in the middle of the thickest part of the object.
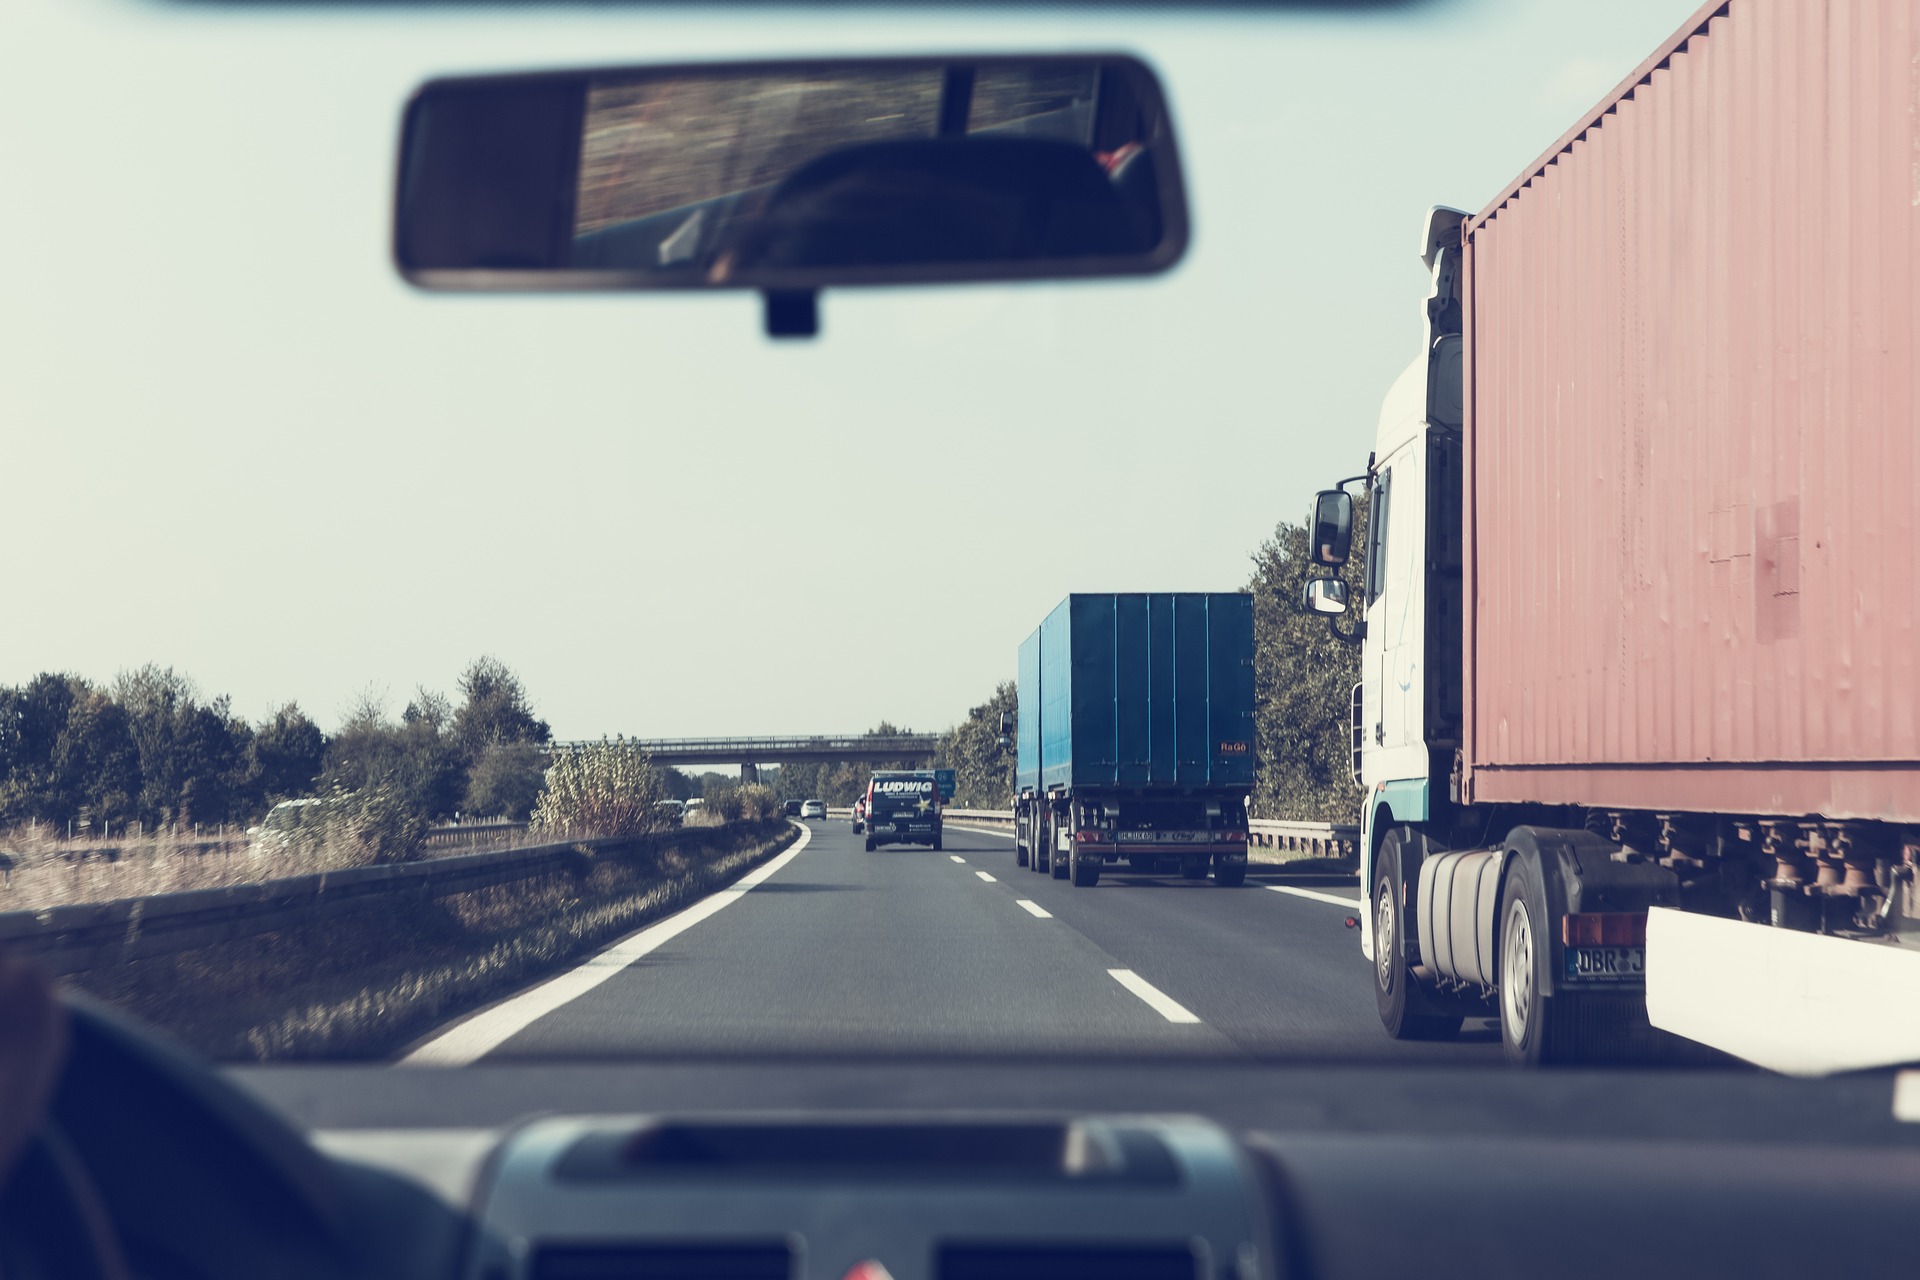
(525, 1173)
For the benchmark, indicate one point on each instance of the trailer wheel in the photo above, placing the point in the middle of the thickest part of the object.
(1086, 871)
(1193, 868)
(1398, 998)
(1230, 875)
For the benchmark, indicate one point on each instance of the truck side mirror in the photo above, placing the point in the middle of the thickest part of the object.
(1330, 529)
(1325, 595)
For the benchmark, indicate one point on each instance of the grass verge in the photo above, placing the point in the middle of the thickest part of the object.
(364, 985)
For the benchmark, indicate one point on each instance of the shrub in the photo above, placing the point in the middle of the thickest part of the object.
(608, 788)
(505, 780)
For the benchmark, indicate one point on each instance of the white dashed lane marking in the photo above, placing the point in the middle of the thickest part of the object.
(1352, 904)
(1035, 909)
(1160, 1002)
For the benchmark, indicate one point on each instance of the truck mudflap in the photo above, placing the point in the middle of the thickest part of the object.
(1587, 875)
(1799, 1003)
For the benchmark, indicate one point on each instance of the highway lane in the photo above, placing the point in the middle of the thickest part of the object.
(961, 953)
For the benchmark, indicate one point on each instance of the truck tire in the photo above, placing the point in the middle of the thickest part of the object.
(1193, 868)
(1060, 865)
(1535, 1029)
(1398, 997)
(1020, 856)
(1086, 871)
(1229, 875)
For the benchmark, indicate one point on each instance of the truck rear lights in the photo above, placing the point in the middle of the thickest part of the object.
(1088, 837)
(1604, 929)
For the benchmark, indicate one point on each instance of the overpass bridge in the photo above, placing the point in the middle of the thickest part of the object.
(750, 752)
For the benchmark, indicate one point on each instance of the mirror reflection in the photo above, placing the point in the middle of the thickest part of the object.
(714, 174)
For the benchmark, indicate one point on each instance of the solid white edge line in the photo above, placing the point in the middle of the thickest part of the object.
(1034, 909)
(1159, 1001)
(467, 1042)
(984, 876)
(1352, 904)
(985, 831)
(956, 857)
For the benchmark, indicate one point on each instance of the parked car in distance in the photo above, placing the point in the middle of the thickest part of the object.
(672, 812)
(791, 809)
(814, 809)
(284, 822)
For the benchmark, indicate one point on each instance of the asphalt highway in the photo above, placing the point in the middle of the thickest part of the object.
(960, 952)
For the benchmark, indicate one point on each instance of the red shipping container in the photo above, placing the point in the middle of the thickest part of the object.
(1692, 561)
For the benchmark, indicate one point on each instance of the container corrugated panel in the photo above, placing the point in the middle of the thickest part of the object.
(1145, 690)
(1692, 486)
(1026, 774)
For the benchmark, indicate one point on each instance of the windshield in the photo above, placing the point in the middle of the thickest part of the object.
(319, 575)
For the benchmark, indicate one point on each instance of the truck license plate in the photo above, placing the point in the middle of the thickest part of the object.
(1158, 837)
(1606, 964)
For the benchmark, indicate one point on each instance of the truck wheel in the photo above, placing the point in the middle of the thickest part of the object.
(1020, 856)
(1193, 868)
(1086, 871)
(1395, 993)
(870, 844)
(1527, 1013)
(1060, 865)
(1230, 875)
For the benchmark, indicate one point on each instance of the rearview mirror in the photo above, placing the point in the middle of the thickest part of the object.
(1325, 595)
(1330, 528)
(790, 177)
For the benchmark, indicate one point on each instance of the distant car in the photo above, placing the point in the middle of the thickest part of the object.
(695, 807)
(792, 809)
(673, 812)
(286, 822)
(814, 809)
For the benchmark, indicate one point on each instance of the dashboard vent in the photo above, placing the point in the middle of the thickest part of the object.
(1067, 1262)
(663, 1262)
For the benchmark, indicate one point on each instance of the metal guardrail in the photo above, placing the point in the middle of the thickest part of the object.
(453, 835)
(80, 936)
(1322, 839)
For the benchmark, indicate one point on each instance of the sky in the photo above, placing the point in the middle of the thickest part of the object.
(234, 442)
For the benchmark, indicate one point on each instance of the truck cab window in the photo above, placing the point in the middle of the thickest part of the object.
(1378, 504)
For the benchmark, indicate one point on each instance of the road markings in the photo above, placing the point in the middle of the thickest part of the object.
(1034, 909)
(984, 876)
(487, 1030)
(1161, 1003)
(956, 857)
(1352, 904)
(985, 831)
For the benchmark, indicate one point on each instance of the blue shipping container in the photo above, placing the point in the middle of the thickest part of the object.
(1026, 769)
(1139, 690)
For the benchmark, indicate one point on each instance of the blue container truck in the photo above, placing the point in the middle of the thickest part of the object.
(1135, 736)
